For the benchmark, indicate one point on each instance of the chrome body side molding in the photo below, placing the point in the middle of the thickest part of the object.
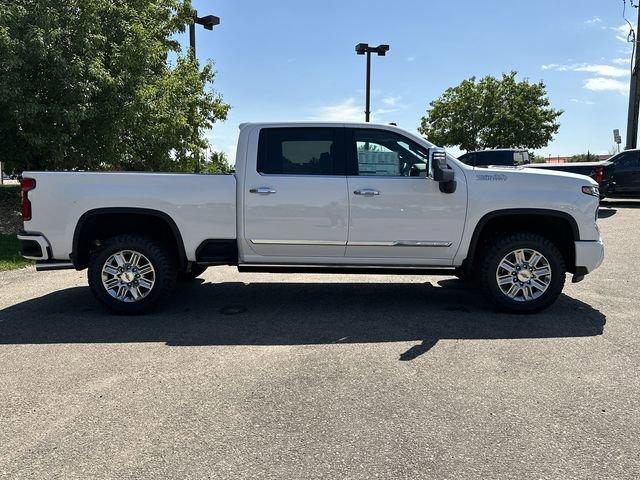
(394, 243)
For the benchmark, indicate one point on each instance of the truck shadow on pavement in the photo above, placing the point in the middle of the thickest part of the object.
(282, 313)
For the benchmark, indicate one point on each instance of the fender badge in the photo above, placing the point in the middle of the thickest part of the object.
(492, 177)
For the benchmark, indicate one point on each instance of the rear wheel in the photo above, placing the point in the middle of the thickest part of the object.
(523, 273)
(131, 274)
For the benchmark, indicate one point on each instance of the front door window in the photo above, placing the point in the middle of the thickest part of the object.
(383, 153)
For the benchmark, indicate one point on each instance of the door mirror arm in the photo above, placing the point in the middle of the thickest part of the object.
(439, 171)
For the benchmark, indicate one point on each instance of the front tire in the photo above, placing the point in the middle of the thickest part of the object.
(522, 273)
(131, 274)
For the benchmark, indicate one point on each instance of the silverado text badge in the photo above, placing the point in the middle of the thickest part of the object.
(492, 177)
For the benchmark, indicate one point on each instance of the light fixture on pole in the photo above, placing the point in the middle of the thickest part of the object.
(207, 22)
(364, 48)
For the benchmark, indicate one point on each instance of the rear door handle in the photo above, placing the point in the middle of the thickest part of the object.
(263, 190)
(367, 192)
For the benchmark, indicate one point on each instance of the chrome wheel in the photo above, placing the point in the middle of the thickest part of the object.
(523, 275)
(128, 276)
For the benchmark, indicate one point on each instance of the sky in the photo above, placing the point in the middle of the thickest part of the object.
(294, 60)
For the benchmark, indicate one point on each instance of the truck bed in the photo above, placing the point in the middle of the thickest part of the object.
(201, 206)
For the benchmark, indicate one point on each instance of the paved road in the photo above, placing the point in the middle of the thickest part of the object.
(286, 376)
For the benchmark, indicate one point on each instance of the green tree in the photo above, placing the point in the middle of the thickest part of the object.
(533, 158)
(491, 113)
(584, 157)
(217, 164)
(86, 84)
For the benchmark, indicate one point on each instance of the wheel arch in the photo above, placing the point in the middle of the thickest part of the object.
(553, 224)
(130, 220)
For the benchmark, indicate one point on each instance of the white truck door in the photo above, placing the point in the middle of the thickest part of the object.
(397, 214)
(296, 202)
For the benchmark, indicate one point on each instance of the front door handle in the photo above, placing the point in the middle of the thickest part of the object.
(367, 192)
(263, 190)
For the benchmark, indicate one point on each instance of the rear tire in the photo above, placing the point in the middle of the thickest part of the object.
(522, 273)
(131, 274)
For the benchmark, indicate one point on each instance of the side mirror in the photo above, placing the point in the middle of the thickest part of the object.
(439, 171)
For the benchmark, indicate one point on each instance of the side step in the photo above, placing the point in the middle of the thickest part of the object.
(46, 265)
(352, 270)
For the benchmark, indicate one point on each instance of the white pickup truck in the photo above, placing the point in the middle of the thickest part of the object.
(324, 197)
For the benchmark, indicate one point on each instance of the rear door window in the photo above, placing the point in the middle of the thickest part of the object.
(300, 151)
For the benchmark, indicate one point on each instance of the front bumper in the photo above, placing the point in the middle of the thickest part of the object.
(589, 255)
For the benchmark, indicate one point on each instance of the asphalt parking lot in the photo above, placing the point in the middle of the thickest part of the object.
(325, 376)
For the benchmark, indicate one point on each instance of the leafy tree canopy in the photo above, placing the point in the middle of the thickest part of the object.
(217, 163)
(492, 113)
(584, 157)
(85, 84)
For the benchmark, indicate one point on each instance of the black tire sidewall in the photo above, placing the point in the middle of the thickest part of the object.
(503, 247)
(157, 255)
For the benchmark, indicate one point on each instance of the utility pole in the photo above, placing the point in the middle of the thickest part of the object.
(634, 91)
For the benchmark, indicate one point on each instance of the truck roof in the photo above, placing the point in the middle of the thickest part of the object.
(316, 124)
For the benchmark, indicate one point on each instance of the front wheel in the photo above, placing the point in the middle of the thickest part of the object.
(131, 274)
(523, 273)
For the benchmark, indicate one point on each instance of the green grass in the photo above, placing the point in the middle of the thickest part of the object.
(10, 253)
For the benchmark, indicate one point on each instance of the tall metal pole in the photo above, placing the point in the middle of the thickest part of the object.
(367, 111)
(192, 39)
(192, 52)
(634, 90)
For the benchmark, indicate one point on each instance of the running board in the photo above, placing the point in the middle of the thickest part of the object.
(46, 265)
(350, 269)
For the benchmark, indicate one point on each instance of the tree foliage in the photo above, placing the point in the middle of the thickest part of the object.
(491, 113)
(584, 157)
(533, 158)
(217, 163)
(86, 84)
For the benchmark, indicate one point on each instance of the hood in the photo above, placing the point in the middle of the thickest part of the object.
(540, 174)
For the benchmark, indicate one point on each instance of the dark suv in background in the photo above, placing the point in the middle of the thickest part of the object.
(499, 156)
(626, 174)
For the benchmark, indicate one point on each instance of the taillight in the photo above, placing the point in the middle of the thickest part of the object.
(26, 185)
(599, 176)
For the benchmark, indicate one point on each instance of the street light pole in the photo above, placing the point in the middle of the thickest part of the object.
(208, 22)
(362, 49)
(192, 39)
(367, 111)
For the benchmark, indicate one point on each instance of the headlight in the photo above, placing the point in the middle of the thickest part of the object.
(592, 190)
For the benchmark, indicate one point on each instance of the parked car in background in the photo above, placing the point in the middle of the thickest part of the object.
(619, 176)
(498, 156)
(626, 174)
(602, 172)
